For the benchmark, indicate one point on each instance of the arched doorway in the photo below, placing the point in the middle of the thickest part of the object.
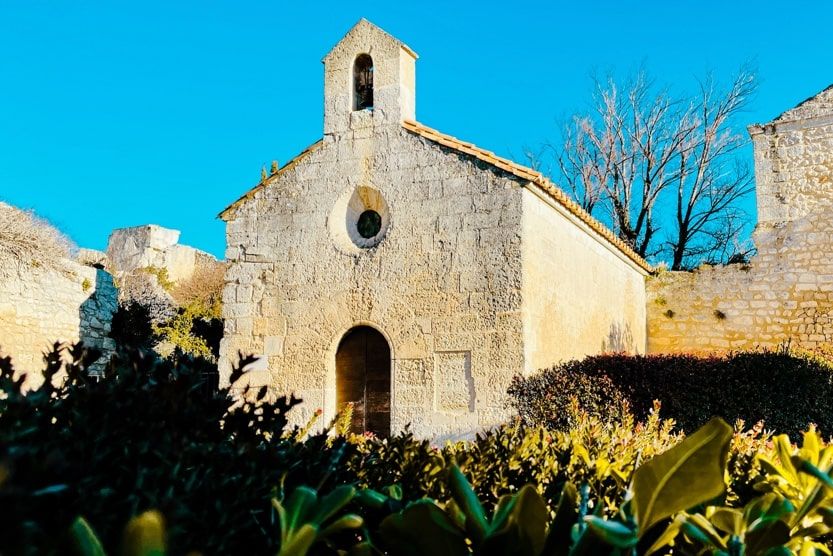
(363, 377)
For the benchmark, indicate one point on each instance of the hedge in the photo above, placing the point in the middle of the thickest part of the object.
(787, 391)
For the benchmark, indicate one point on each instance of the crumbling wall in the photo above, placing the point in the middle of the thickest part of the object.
(785, 293)
(41, 305)
(152, 246)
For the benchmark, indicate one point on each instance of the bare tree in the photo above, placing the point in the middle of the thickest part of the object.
(622, 161)
(710, 179)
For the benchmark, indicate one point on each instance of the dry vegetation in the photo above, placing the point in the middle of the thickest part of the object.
(27, 238)
(203, 289)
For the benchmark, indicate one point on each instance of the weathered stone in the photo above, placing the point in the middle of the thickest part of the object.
(130, 249)
(472, 277)
(792, 269)
(40, 306)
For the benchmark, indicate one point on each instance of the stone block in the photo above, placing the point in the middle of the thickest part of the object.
(453, 382)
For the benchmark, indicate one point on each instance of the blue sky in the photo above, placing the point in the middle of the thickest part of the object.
(116, 114)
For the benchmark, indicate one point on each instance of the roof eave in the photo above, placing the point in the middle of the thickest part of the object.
(229, 210)
(531, 177)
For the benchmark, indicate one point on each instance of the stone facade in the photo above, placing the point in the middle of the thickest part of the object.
(471, 272)
(40, 306)
(580, 296)
(786, 292)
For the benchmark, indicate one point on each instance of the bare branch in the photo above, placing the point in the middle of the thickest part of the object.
(653, 161)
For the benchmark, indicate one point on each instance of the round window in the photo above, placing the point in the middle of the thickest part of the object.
(369, 224)
(359, 219)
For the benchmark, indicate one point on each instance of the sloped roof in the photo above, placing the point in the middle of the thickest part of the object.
(365, 24)
(820, 103)
(534, 177)
(252, 192)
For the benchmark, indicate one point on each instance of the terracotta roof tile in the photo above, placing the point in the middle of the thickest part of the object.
(534, 177)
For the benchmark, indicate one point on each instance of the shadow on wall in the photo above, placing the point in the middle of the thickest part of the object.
(95, 315)
(619, 339)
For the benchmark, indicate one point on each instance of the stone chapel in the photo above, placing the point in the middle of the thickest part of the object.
(411, 273)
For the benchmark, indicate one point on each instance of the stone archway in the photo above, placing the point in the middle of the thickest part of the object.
(363, 378)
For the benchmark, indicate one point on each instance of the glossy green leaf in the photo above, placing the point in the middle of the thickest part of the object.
(728, 520)
(612, 532)
(688, 474)
(371, 498)
(696, 534)
(784, 450)
(298, 505)
(332, 503)
(566, 514)
(468, 502)
(805, 466)
(395, 491)
(814, 497)
(349, 521)
(422, 529)
(84, 540)
(668, 536)
(300, 542)
(520, 529)
(705, 527)
(145, 535)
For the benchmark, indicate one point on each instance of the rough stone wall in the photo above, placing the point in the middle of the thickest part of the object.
(794, 164)
(40, 305)
(580, 295)
(473, 281)
(130, 249)
(443, 285)
(786, 292)
(441, 281)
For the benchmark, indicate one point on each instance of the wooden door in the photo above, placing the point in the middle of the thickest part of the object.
(363, 378)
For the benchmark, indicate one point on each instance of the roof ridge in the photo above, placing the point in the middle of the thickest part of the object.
(802, 103)
(365, 21)
(533, 176)
(264, 181)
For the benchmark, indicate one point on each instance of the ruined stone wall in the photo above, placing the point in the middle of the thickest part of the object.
(786, 292)
(443, 285)
(40, 305)
(580, 295)
(141, 247)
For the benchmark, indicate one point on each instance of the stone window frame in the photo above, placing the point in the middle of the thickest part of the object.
(343, 219)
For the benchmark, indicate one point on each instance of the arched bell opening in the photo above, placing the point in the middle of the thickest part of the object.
(363, 82)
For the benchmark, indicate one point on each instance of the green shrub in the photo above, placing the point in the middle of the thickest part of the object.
(545, 398)
(675, 504)
(190, 332)
(162, 277)
(148, 435)
(149, 444)
(787, 391)
(132, 326)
